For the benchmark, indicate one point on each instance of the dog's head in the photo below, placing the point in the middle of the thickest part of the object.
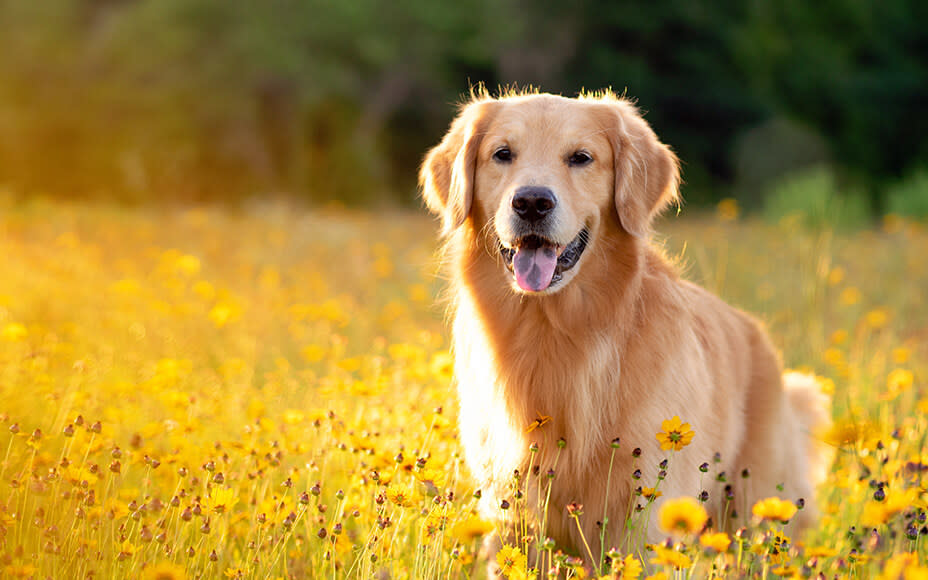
(542, 173)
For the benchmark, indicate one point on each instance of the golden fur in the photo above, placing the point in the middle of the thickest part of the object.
(620, 344)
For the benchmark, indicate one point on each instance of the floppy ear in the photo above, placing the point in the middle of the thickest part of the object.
(447, 175)
(647, 173)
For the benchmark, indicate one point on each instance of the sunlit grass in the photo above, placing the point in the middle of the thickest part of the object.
(267, 393)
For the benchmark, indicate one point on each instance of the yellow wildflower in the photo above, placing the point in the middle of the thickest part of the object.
(787, 571)
(19, 571)
(903, 566)
(774, 509)
(512, 561)
(442, 366)
(669, 557)
(877, 318)
(682, 515)
(650, 493)
(435, 522)
(434, 479)
(471, 528)
(401, 496)
(313, 353)
(850, 432)
(836, 276)
(899, 380)
(849, 296)
(13, 332)
(539, 422)
(821, 552)
(221, 500)
(164, 571)
(715, 541)
(126, 549)
(901, 355)
(895, 502)
(630, 568)
(674, 434)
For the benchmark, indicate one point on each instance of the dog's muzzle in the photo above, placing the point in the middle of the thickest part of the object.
(537, 263)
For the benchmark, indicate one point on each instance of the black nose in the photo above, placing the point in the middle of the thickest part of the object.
(533, 203)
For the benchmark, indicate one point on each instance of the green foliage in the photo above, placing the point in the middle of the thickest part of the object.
(203, 98)
(814, 197)
(909, 197)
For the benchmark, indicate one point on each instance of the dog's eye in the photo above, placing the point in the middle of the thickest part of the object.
(503, 155)
(579, 158)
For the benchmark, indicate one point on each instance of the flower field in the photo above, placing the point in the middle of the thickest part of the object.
(266, 393)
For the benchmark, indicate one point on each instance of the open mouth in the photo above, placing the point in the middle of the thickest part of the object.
(537, 263)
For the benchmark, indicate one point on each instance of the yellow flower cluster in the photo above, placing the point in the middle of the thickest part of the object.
(231, 394)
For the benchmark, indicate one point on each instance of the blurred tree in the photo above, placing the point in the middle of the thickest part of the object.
(339, 100)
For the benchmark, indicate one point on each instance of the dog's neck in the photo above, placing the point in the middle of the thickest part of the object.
(531, 337)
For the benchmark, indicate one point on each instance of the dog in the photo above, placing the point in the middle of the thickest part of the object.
(571, 331)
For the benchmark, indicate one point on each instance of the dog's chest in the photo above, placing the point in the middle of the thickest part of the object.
(529, 384)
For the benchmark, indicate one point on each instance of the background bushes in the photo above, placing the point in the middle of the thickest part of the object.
(324, 100)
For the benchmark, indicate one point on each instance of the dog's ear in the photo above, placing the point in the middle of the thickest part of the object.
(447, 175)
(647, 173)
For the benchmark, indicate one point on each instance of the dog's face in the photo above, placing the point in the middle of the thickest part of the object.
(544, 174)
(540, 174)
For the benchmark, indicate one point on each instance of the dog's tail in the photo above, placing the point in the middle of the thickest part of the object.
(813, 409)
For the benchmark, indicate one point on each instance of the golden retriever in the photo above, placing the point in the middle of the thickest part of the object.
(569, 325)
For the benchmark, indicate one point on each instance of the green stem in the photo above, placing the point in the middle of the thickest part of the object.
(605, 520)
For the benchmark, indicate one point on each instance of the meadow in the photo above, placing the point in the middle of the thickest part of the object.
(266, 392)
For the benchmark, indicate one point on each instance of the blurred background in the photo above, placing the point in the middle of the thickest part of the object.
(766, 101)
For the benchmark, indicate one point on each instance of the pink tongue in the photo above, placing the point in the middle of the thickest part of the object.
(534, 267)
